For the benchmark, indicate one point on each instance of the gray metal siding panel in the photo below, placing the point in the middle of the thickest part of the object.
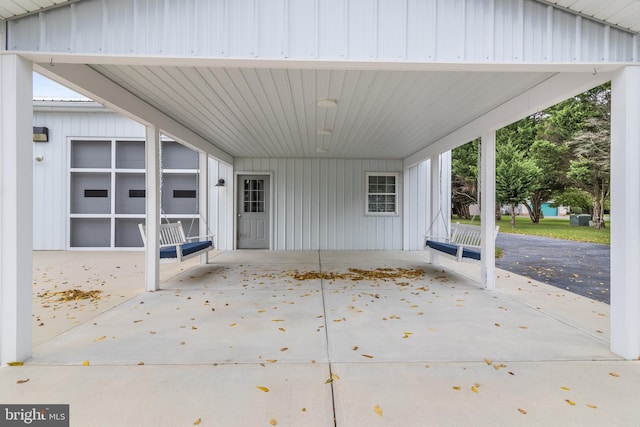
(320, 204)
(389, 30)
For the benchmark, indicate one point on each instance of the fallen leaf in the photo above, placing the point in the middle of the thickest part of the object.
(101, 338)
(591, 406)
(355, 347)
(488, 361)
(456, 387)
(197, 422)
(565, 388)
(614, 374)
(474, 389)
(85, 363)
(335, 376)
(272, 360)
(233, 324)
(378, 410)
(367, 356)
(273, 422)
(522, 411)
(22, 381)
(570, 402)
(15, 363)
(282, 329)
(140, 363)
(329, 381)
(265, 389)
(284, 349)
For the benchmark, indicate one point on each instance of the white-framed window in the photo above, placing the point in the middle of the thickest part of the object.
(382, 193)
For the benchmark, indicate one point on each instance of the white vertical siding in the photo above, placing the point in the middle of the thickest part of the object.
(50, 179)
(384, 30)
(320, 204)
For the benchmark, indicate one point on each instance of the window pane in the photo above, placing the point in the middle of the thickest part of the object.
(382, 194)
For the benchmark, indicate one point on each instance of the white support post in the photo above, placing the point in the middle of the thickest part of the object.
(436, 228)
(16, 208)
(445, 189)
(152, 191)
(487, 211)
(203, 199)
(625, 205)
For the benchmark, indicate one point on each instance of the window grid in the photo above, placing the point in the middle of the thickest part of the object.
(382, 192)
(254, 200)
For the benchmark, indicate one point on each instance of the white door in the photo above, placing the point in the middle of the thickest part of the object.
(253, 212)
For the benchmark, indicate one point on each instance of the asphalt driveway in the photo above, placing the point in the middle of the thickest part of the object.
(582, 268)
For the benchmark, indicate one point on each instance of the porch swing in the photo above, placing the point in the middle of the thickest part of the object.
(175, 246)
(461, 243)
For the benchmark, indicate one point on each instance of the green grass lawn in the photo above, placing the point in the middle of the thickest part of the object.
(558, 228)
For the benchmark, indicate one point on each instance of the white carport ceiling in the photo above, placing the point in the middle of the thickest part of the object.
(13, 8)
(622, 13)
(273, 112)
(260, 112)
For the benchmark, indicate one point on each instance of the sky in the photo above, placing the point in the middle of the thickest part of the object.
(45, 88)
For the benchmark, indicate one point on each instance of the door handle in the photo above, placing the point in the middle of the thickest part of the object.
(239, 214)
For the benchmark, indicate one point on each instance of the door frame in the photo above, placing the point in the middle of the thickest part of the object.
(236, 208)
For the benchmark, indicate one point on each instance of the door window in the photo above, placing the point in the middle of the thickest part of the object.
(253, 195)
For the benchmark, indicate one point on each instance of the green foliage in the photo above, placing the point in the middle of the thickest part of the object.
(516, 174)
(579, 200)
(464, 177)
(590, 169)
(561, 153)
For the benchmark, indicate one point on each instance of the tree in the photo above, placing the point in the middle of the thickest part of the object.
(516, 174)
(591, 147)
(579, 200)
(464, 178)
(532, 135)
(549, 158)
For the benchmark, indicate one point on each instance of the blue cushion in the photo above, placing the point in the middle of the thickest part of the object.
(187, 249)
(450, 249)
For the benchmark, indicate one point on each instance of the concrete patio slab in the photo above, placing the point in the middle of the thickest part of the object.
(244, 341)
(179, 395)
(476, 394)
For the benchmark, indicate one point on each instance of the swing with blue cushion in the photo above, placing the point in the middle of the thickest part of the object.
(174, 246)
